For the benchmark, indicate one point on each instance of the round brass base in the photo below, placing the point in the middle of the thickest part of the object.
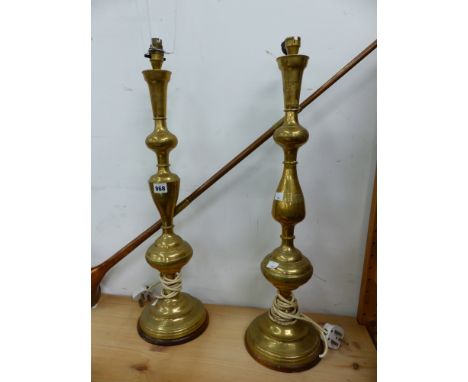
(176, 341)
(287, 348)
(173, 321)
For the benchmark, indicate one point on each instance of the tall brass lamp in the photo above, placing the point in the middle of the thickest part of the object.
(282, 338)
(174, 317)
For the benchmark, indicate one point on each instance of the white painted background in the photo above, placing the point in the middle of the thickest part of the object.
(225, 91)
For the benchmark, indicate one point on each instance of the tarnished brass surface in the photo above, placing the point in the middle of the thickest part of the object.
(173, 321)
(183, 317)
(292, 347)
(287, 348)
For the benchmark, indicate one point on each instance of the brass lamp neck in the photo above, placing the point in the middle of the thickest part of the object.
(292, 66)
(157, 80)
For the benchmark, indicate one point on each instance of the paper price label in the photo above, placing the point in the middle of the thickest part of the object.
(272, 264)
(160, 188)
(279, 196)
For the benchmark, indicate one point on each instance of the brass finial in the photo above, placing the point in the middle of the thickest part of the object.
(291, 45)
(156, 53)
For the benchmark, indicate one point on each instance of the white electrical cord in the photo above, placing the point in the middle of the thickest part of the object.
(285, 312)
(171, 287)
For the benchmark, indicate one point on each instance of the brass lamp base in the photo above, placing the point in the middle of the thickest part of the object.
(287, 348)
(173, 321)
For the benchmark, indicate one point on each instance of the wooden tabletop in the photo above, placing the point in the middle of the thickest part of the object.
(119, 354)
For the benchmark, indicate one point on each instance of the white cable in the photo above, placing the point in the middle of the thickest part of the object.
(285, 312)
(145, 292)
(171, 287)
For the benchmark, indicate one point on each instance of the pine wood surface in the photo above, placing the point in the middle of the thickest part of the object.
(119, 354)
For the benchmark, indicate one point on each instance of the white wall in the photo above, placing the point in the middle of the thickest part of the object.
(225, 91)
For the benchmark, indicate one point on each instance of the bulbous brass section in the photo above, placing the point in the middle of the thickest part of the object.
(183, 317)
(169, 253)
(295, 346)
(293, 270)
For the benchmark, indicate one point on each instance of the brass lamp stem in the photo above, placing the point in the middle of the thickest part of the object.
(281, 338)
(174, 317)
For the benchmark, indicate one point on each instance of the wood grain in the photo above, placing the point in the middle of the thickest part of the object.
(119, 354)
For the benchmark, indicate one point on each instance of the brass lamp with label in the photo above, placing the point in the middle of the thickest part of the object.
(174, 317)
(282, 338)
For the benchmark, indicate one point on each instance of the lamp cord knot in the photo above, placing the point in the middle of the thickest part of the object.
(170, 286)
(285, 311)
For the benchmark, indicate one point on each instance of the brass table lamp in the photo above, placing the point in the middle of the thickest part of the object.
(282, 338)
(174, 317)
